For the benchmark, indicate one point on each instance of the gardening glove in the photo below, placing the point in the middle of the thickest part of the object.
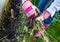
(44, 16)
(29, 9)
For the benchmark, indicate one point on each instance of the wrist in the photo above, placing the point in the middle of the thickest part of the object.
(46, 14)
(54, 7)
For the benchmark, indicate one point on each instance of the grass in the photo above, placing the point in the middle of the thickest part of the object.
(53, 31)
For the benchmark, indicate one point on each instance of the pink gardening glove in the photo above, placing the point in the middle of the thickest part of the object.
(44, 16)
(29, 9)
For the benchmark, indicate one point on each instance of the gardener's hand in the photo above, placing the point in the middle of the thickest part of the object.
(29, 9)
(43, 16)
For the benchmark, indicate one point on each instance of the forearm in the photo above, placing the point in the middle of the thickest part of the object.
(50, 11)
(55, 6)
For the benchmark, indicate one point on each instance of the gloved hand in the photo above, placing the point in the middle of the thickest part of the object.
(43, 16)
(29, 9)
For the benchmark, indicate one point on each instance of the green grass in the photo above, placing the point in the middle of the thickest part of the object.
(53, 29)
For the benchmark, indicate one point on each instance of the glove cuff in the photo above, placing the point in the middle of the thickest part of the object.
(46, 14)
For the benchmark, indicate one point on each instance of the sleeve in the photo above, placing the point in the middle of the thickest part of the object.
(55, 6)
